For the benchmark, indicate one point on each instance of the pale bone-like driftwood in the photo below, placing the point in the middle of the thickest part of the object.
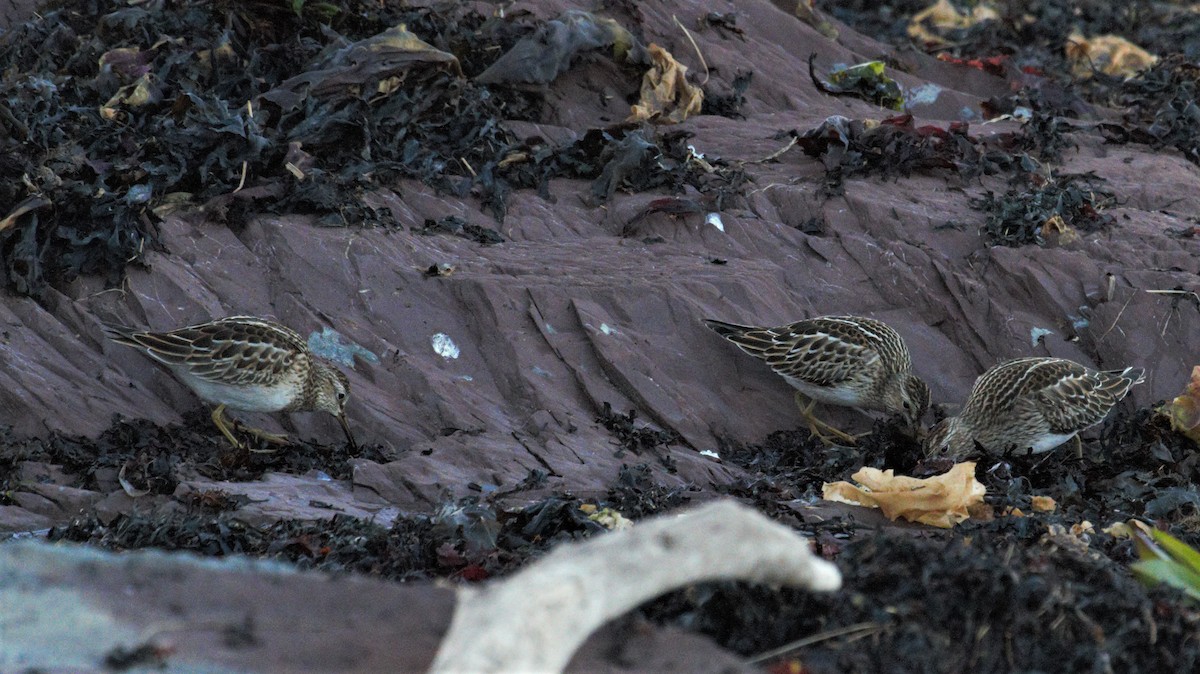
(536, 620)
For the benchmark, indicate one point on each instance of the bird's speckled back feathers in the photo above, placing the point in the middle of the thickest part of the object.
(824, 351)
(238, 350)
(1069, 395)
(1031, 403)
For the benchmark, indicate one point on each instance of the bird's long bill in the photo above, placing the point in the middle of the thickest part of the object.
(346, 427)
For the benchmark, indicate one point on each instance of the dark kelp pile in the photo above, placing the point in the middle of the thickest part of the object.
(1039, 202)
(1037, 47)
(469, 540)
(1161, 105)
(1039, 207)
(895, 147)
(114, 115)
(1032, 44)
(149, 457)
(1031, 34)
(1045, 591)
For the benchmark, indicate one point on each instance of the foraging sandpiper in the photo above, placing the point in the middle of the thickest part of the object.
(249, 364)
(839, 360)
(1031, 404)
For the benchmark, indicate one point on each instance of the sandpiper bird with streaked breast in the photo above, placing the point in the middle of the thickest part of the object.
(1031, 404)
(838, 360)
(249, 364)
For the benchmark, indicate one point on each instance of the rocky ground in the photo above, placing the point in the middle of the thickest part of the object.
(169, 163)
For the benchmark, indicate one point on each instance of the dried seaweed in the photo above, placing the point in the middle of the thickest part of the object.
(112, 114)
(1063, 204)
(794, 463)
(623, 157)
(151, 456)
(1163, 108)
(454, 225)
(631, 436)
(896, 148)
(1043, 133)
(938, 603)
(958, 601)
(166, 113)
(730, 104)
(468, 539)
(636, 494)
(547, 53)
(1032, 32)
(865, 80)
(335, 110)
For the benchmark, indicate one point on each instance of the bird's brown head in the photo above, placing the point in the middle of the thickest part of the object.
(947, 440)
(907, 395)
(332, 393)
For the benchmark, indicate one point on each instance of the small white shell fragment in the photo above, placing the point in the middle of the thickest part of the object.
(714, 219)
(1036, 335)
(926, 94)
(444, 346)
(709, 452)
(604, 327)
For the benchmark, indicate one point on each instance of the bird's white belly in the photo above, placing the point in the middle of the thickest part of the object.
(245, 398)
(822, 394)
(1049, 442)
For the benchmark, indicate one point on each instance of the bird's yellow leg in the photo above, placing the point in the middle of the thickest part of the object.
(272, 438)
(822, 431)
(218, 417)
(1078, 445)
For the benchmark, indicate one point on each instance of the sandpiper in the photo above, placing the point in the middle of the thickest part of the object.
(839, 360)
(1031, 404)
(249, 364)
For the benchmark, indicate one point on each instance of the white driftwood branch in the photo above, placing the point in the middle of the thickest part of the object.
(537, 619)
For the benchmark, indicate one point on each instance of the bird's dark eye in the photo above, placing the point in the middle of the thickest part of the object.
(341, 395)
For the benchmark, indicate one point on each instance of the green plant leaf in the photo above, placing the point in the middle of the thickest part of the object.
(1164, 571)
(1178, 550)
